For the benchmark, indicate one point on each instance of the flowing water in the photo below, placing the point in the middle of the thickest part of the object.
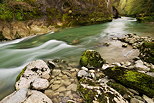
(14, 55)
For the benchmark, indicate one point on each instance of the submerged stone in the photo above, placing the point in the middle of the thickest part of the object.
(91, 59)
(141, 82)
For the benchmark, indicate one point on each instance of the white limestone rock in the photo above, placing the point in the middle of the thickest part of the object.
(35, 69)
(140, 66)
(40, 84)
(16, 97)
(37, 97)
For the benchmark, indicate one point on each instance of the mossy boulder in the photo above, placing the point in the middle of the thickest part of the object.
(147, 52)
(91, 91)
(141, 82)
(91, 59)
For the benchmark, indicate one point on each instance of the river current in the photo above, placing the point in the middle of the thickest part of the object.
(16, 54)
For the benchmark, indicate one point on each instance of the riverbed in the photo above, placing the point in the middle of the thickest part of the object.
(15, 55)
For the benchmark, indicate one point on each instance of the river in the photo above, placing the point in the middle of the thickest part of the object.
(16, 54)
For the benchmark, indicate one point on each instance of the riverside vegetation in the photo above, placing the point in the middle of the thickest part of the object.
(94, 81)
(21, 18)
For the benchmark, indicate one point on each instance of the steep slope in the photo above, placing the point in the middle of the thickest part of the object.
(61, 13)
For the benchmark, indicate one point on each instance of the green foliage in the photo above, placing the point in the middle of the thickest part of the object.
(5, 12)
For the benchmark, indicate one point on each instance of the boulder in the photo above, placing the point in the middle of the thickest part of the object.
(35, 69)
(93, 91)
(37, 97)
(16, 97)
(91, 59)
(141, 82)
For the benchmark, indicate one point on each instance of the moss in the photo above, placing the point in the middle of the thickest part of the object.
(88, 81)
(147, 52)
(87, 94)
(141, 82)
(91, 58)
(21, 73)
(119, 88)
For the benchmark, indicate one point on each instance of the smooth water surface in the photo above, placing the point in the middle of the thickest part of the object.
(14, 55)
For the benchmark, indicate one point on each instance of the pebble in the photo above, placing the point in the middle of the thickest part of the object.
(56, 86)
(82, 73)
(84, 68)
(61, 89)
(56, 72)
(72, 87)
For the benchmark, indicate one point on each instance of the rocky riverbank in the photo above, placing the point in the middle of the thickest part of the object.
(94, 81)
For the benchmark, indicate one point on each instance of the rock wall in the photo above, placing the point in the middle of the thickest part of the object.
(19, 16)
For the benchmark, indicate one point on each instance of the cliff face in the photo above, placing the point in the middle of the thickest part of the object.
(61, 13)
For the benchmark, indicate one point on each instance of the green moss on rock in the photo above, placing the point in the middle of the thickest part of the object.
(141, 82)
(147, 52)
(120, 88)
(21, 73)
(91, 58)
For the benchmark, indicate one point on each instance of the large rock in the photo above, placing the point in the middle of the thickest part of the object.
(91, 59)
(26, 96)
(37, 97)
(16, 97)
(141, 82)
(92, 91)
(34, 70)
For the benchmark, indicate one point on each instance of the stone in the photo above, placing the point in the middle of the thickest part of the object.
(16, 97)
(72, 87)
(105, 66)
(61, 89)
(49, 92)
(141, 82)
(92, 90)
(116, 64)
(82, 73)
(91, 59)
(66, 82)
(84, 68)
(37, 97)
(147, 99)
(56, 72)
(26, 96)
(139, 65)
(134, 100)
(134, 91)
(124, 45)
(51, 64)
(35, 69)
(40, 84)
(55, 86)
